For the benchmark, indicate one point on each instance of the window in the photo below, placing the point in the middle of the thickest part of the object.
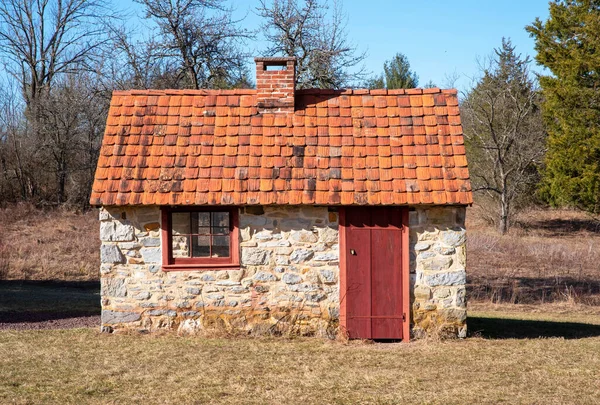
(200, 238)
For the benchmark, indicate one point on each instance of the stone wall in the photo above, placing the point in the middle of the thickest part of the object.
(287, 283)
(438, 271)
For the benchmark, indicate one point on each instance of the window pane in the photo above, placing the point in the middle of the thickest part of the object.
(220, 246)
(203, 230)
(201, 246)
(203, 218)
(220, 231)
(181, 246)
(220, 219)
(180, 223)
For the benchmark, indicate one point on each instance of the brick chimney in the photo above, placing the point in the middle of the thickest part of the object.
(275, 84)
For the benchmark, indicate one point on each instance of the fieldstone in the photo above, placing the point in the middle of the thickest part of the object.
(453, 237)
(422, 246)
(193, 291)
(304, 287)
(104, 215)
(113, 287)
(215, 296)
(154, 268)
(438, 264)
(116, 231)
(315, 297)
(326, 257)
(236, 275)
(143, 295)
(328, 276)
(233, 303)
(454, 314)
(151, 255)
(255, 256)
(461, 298)
(328, 235)
(301, 255)
(276, 243)
(303, 236)
(279, 269)
(129, 245)
(422, 293)
(151, 242)
(446, 279)
(249, 243)
(239, 290)
(228, 283)
(157, 312)
(281, 259)
(112, 317)
(207, 277)
(262, 276)
(111, 254)
(291, 278)
(210, 289)
(445, 250)
(190, 314)
(426, 255)
(441, 293)
(263, 235)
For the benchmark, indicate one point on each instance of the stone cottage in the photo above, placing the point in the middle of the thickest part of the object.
(276, 210)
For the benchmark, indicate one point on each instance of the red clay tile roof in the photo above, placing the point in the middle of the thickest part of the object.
(339, 147)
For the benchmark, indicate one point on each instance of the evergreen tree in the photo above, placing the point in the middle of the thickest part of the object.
(396, 75)
(504, 134)
(568, 44)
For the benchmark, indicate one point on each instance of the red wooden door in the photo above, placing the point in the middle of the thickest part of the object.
(374, 279)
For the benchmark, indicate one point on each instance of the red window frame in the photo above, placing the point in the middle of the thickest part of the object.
(169, 263)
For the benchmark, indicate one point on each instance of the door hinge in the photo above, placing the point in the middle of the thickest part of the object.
(403, 317)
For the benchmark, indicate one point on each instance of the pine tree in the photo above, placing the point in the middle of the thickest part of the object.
(396, 75)
(504, 134)
(568, 45)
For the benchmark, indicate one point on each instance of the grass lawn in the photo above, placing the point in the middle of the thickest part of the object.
(84, 366)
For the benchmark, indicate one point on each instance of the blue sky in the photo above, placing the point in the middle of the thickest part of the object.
(439, 38)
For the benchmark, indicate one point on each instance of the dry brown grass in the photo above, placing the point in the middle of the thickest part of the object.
(83, 366)
(548, 256)
(48, 244)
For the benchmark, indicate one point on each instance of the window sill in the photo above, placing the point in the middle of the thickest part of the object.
(200, 267)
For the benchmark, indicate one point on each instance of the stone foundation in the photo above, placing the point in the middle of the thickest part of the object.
(288, 281)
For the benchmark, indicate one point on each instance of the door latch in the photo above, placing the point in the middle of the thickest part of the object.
(353, 252)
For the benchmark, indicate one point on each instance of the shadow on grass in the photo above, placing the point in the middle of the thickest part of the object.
(35, 301)
(500, 328)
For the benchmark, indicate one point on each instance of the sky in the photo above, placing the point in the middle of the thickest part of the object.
(441, 38)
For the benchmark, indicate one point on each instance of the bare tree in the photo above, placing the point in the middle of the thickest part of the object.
(504, 134)
(316, 36)
(201, 39)
(52, 50)
(41, 39)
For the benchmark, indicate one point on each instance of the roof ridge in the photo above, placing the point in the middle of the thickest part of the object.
(185, 92)
(239, 92)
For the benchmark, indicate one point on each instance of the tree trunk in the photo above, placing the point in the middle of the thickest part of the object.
(504, 214)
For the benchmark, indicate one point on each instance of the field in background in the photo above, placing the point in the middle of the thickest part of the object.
(57, 245)
(548, 256)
